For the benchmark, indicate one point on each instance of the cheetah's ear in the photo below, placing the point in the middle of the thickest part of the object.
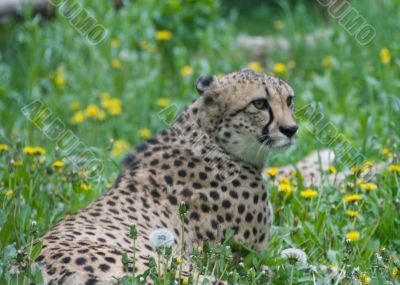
(204, 83)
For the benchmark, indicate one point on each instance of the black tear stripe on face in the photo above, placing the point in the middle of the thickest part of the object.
(265, 130)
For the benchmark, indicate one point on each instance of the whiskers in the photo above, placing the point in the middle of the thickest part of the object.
(265, 139)
(248, 148)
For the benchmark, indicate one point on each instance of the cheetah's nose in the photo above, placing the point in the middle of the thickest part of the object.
(289, 131)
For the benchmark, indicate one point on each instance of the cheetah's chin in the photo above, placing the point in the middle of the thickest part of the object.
(282, 144)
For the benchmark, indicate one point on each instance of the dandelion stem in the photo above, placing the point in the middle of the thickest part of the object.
(164, 263)
(223, 272)
(181, 249)
(182, 215)
(291, 275)
(134, 258)
(213, 270)
(158, 264)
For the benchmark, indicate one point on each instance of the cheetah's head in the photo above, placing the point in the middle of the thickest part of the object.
(252, 113)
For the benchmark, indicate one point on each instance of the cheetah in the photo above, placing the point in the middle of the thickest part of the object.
(211, 159)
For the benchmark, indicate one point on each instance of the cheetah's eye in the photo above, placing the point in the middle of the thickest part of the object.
(260, 104)
(289, 101)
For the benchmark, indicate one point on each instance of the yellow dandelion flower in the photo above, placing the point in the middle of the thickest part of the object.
(74, 105)
(368, 186)
(328, 62)
(93, 111)
(291, 64)
(352, 214)
(78, 118)
(185, 280)
(34, 150)
(285, 188)
(385, 56)
(115, 111)
(108, 185)
(284, 180)
(358, 169)
(308, 193)
(279, 24)
(4, 147)
(395, 272)
(272, 172)
(386, 152)
(353, 236)
(279, 68)
(144, 133)
(186, 70)
(58, 163)
(332, 169)
(84, 186)
(256, 66)
(369, 163)
(394, 168)
(163, 102)
(163, 35)
(352, 198)
(365, 280)
(359, 181)
(115, 43)
(119, 147)
(113, 106)
(9, 193)
(179, 260)
(116, 63)
(354, 169)
(59, 77)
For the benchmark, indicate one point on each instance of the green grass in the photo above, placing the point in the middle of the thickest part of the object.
(358, 95)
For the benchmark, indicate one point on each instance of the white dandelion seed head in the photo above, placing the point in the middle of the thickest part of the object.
(161, 237)
(294, 255)
(141, 279)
